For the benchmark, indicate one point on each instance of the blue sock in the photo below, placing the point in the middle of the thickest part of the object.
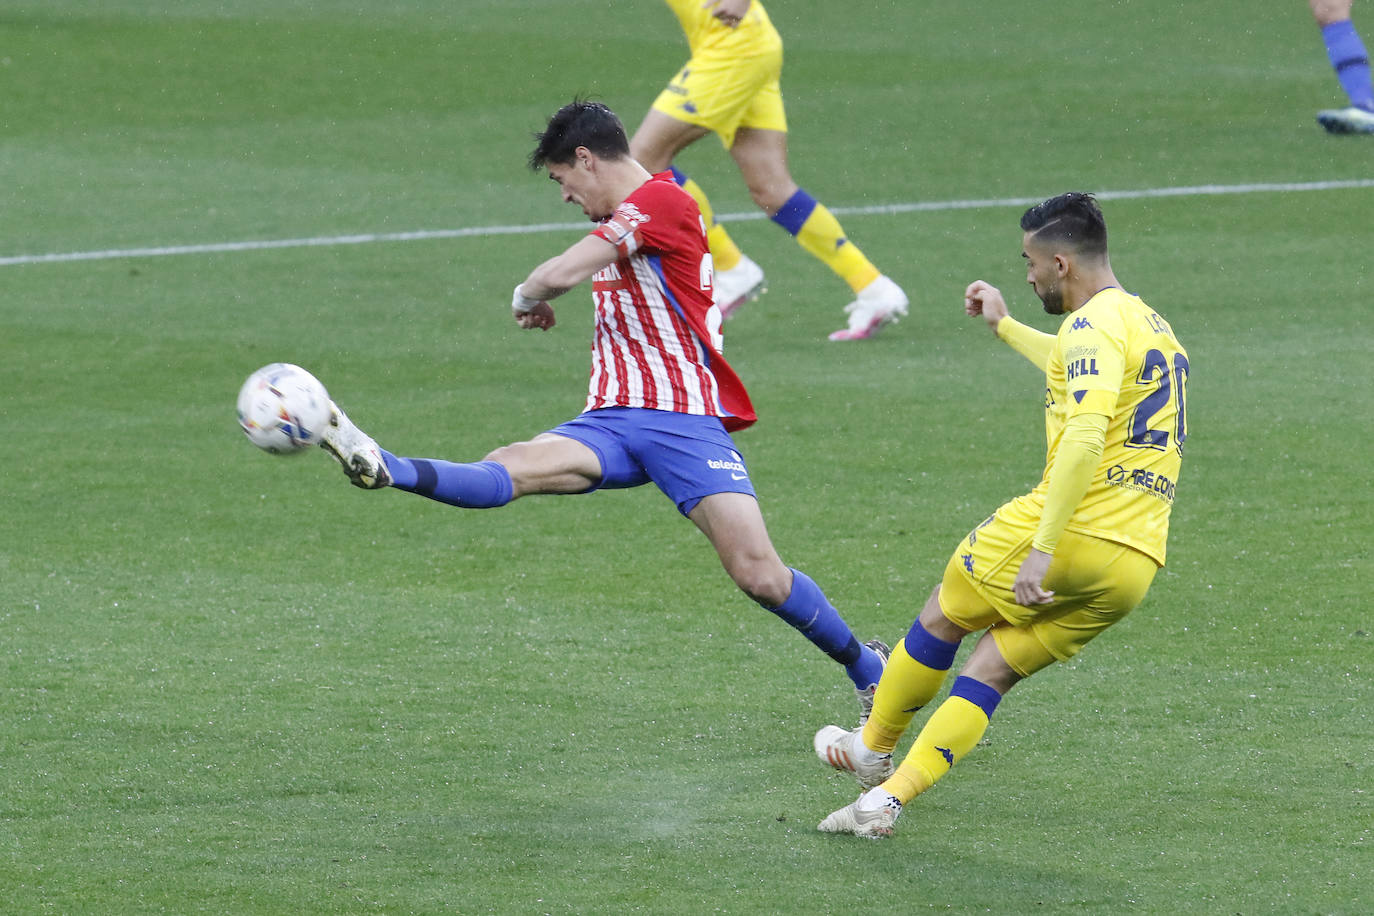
(1350, 61)
(482, 485)
(811, 613)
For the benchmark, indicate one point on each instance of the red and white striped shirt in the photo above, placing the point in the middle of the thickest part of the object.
(656, 341)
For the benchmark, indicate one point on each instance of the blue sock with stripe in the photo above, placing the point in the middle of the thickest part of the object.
(480, 485)
(1350, 61)
(809, 612)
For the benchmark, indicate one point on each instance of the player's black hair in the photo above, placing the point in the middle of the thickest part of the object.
(580, 123)
(1072, 219)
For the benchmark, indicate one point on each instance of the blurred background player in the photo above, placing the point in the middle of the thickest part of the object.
(661, 398)
(1351, 63)
(1054, 568)
(730, 86)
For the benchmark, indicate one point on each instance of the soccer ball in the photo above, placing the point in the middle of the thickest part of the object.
(283, 409)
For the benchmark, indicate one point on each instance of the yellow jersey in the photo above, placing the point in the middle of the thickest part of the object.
(1115, 356)
(707, 35)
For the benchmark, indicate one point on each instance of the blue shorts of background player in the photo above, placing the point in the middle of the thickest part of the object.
(690, 458)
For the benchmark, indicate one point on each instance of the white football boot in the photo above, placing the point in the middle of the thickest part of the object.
(1352, 120)
(866, 695)
(845, 750)
(879, 303)
(738, 285)
(357, 451)
(857, 818)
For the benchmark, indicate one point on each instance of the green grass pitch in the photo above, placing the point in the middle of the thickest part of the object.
(231, 683)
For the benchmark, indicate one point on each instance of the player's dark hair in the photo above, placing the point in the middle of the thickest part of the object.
(1072, 219)
(580, 123)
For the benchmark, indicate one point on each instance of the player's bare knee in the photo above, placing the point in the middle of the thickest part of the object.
(500, 455)
(1329, 11)
(934, 621)
(767, 583)
(987, 666)
(768, 197)
(932, 605)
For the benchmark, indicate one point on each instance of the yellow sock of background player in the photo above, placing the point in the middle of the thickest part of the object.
(725, 254)
(951, 732)
(818, 231)
(913, 676)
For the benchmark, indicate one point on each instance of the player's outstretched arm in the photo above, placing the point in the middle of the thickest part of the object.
(562, 272)
(531, 313)
(984, 299)
(556, 276)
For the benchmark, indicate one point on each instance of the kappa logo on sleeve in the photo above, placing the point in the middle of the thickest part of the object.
(1079, 324)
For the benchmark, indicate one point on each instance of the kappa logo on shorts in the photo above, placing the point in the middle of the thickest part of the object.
(968, 562)
(735, 466)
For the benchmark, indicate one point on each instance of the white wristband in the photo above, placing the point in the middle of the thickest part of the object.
(522, 304)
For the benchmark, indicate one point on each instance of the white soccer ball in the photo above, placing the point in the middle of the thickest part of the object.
(283, 409)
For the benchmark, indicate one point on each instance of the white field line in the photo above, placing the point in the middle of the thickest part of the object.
(470, 231)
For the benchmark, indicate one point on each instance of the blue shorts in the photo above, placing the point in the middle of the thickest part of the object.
(688, 456)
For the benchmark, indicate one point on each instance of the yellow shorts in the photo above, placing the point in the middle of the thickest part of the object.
(724, 94)
(1095, 584)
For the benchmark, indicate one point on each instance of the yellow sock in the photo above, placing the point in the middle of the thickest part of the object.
(906, 686)
(725, 254)
(820, 233)
(951, 732)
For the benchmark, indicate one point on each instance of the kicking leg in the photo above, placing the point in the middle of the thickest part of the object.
(546, 464)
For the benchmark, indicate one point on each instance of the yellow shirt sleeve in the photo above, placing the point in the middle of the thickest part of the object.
(1034, 345)
(1075, 462)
